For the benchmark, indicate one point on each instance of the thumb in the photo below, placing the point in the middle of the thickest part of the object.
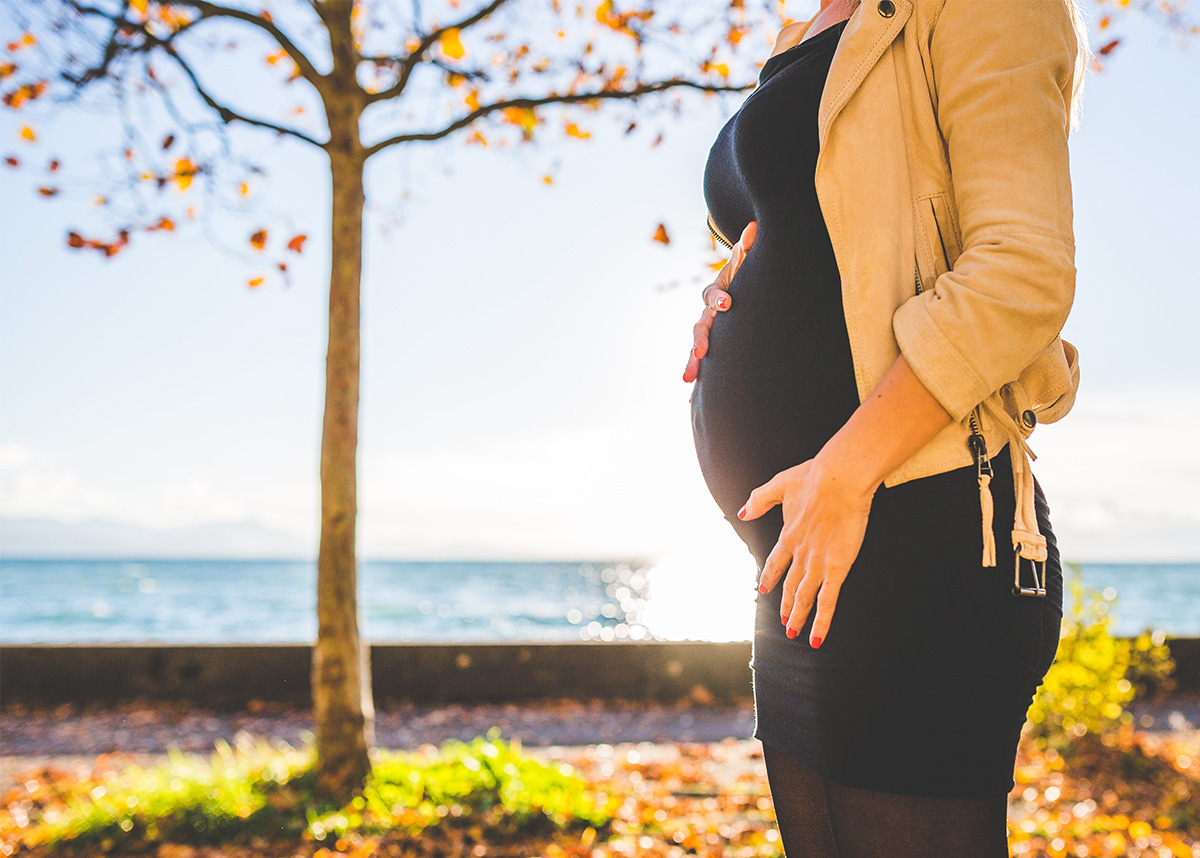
(762, 499)
(748, 234)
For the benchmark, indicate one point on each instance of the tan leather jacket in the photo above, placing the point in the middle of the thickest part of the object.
(943, 179)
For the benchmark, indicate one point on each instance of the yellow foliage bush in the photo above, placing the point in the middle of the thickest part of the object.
(1094, 674)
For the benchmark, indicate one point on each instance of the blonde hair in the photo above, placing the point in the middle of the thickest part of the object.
(1083, 59)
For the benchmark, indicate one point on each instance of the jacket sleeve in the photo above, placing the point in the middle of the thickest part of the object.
(1003, 74)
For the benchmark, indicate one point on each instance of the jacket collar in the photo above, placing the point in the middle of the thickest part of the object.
(867, 35)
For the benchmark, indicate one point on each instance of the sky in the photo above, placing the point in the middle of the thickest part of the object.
(523, 341)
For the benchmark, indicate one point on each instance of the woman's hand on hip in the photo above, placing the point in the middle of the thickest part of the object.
(716, 300)
(824, 520)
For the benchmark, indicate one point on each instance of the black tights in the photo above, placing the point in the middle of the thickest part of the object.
(820, 819)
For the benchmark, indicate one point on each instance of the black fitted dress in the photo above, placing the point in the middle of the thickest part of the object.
(931, 662)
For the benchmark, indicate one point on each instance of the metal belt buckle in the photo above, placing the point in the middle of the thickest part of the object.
(1039, 580)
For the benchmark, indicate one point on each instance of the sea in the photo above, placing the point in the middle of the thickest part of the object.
(684, 597)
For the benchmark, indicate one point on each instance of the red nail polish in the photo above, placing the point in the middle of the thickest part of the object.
(791, 633)
(722, 303)
(742, 512)
(695, 354)
(762, 588)
(783, 620)
(816, 642)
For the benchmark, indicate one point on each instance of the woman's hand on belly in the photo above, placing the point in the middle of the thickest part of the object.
(717, 299)
(824, 521)
(827, 499)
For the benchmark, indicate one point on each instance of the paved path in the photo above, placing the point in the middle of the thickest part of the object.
(68, 736)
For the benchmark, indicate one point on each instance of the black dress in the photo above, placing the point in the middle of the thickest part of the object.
(930, 662)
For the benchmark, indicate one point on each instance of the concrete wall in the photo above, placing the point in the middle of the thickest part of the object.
(230, 675)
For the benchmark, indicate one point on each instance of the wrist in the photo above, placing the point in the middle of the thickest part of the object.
(848, 467)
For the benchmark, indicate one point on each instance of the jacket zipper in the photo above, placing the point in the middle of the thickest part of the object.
(716, 233)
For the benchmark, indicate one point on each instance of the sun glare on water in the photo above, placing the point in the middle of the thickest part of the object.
(701, 596)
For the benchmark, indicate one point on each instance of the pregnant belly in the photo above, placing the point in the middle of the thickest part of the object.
(777, 381)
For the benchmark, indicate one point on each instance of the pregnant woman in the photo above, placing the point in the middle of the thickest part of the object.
(897, 198)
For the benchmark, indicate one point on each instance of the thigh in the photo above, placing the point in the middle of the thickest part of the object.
(798, 794)
(869, 824)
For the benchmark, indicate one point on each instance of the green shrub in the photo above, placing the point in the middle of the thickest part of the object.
(1094, 674)
(488, 783)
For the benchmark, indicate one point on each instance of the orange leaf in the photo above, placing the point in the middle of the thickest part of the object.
(574, 131)
(47, 192)
(139, 6)
(548, 179)
(660, 234)
(27, 133)
(184, 170)
(259, 239)
(25, 92)
(451, 44)
(257, 281)
(6, 69)
(1107, 49)
(74, 239)
(473, 99)
(54, 165)
(522, 116)
(168, 140)
(12, 161)
(297, 243)
(27, 40)
(244, 189)
(163, 223)
(1105, 21)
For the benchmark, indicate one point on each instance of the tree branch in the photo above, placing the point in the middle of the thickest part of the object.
(213, 10)
(410, 61)
(570, 98)
(227, 115)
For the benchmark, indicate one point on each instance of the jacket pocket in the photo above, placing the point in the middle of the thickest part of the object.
(937, 244)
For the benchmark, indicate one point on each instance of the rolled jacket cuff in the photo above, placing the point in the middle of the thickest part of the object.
(946, 374)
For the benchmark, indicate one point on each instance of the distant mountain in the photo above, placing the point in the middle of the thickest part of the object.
(44, 537)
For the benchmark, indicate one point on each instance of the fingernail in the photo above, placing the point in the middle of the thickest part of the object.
(791, 633)
(816, 642)
(695, 353)
(783, 619)
(722, 303)
(742, 512)
(762, 588)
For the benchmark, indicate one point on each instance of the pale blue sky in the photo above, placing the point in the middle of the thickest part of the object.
(521, 392)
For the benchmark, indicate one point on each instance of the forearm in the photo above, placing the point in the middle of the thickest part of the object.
(898, 418)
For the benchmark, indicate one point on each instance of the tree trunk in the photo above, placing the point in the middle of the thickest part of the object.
(343, 711)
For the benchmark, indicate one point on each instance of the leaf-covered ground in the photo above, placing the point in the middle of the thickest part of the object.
(1136, 794)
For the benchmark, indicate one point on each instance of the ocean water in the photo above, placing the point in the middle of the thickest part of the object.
(699, 597)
